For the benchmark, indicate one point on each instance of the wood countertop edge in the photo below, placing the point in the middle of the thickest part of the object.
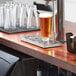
(38, 55)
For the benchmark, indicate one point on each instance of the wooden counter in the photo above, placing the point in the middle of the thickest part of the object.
(58, 56)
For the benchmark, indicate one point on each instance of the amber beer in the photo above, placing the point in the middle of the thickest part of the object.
(45, 25)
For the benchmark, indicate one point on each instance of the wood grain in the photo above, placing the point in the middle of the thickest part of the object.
(58, 56)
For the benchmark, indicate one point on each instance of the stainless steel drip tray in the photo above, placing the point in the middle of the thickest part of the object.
(36, 40)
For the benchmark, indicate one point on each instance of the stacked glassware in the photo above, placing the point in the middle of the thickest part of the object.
(15, 16)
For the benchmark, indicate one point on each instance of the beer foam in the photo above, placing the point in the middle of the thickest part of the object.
(45, 15)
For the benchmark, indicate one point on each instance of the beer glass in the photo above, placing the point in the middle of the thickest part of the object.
(45, 25)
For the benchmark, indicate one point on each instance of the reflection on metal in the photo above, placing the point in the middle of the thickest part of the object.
(54, 25)
(58, 28)
(60, 10)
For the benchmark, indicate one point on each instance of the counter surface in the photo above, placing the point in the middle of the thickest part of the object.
(58, 56)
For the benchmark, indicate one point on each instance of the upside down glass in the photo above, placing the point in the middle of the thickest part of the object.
(45, 26)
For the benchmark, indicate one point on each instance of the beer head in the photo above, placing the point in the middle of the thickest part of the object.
(45, 25)
(45, 15)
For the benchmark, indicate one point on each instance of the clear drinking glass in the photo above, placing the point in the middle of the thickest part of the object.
(23, 16)
(36, 16)
(7, 17)
(14, 15)
(10, 15)
(1, 15)
(45, 26)
(32, 19)
(12, 8)
(29, 13)
(18, 14)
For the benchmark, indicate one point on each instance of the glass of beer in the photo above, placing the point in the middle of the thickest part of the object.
(45, 25)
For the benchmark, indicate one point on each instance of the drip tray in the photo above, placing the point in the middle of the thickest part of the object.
(36, 40)
(18, 30)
